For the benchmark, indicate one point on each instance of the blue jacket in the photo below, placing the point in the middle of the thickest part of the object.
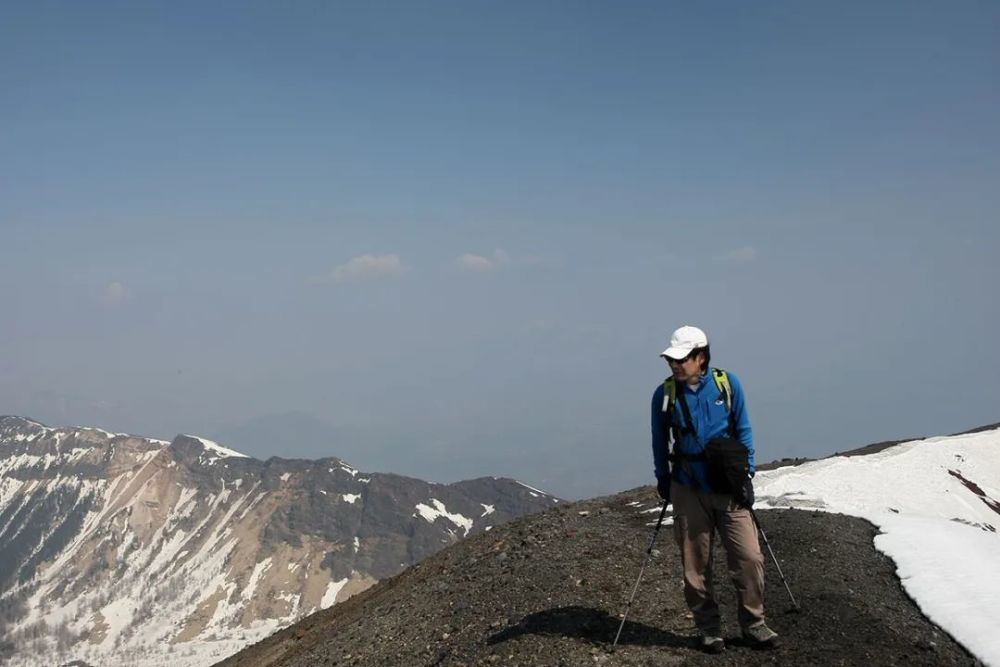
(711, 420)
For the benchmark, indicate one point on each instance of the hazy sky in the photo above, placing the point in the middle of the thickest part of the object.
(449, 239)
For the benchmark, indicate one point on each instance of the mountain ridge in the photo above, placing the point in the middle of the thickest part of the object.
(171, 553)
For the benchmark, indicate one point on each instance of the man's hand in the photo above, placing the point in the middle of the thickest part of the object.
(663, 487)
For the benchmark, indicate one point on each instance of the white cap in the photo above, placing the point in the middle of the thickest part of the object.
(684, 341)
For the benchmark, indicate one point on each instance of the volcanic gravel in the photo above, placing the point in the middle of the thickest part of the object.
(549, 589)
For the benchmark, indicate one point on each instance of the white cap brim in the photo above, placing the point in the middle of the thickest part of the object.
(676, 353)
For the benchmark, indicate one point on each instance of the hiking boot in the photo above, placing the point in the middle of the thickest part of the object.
(761, 636)
(711, 642)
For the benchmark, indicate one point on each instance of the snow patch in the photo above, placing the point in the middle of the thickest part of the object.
(350, 498)
(935, 502)
(331, 593)
(217, 450)
(109, 434)
(531, 488)
(438, 510)
(259, 570)
(118, 615)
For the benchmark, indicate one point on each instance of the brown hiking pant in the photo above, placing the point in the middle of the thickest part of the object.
(697, 516)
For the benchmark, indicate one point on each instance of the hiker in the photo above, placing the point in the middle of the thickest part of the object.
(703, 411)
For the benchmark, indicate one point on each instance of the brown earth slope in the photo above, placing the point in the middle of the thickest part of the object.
(548, 590)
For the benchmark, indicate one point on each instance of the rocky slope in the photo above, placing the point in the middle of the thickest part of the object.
(123, 550)
(547, 590)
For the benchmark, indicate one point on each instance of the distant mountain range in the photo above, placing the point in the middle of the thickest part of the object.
(122, 550)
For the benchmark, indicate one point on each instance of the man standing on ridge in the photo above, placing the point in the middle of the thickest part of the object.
(703, 411)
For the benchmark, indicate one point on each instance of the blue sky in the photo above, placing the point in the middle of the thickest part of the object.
(453, 237)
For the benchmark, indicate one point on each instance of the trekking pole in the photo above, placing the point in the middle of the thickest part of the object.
(795, 604)
(649, 554)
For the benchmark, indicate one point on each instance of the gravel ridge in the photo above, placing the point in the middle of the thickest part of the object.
(548, 590)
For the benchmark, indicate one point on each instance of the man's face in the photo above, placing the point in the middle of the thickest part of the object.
(688, 368)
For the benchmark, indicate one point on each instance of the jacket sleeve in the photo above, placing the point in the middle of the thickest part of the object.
(742, 420)
(661, 436)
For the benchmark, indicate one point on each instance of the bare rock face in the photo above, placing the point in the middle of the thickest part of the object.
(116, 549)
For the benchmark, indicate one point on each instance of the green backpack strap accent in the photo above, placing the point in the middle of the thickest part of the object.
(669, 394)
(669, 401)
(721, 378)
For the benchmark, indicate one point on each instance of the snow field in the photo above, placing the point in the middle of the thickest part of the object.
(940, 533)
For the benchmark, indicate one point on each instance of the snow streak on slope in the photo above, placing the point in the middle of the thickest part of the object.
(215, 450)
(438, 509)
(936, 503)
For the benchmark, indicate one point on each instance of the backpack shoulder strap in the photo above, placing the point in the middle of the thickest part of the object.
(670, 401)
(672, 395)
(669, 394)
(721, 378)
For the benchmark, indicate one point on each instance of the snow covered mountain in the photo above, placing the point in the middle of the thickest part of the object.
(937, 505)
(123, 550)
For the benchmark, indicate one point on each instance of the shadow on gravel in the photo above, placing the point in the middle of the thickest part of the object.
(591, 624)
